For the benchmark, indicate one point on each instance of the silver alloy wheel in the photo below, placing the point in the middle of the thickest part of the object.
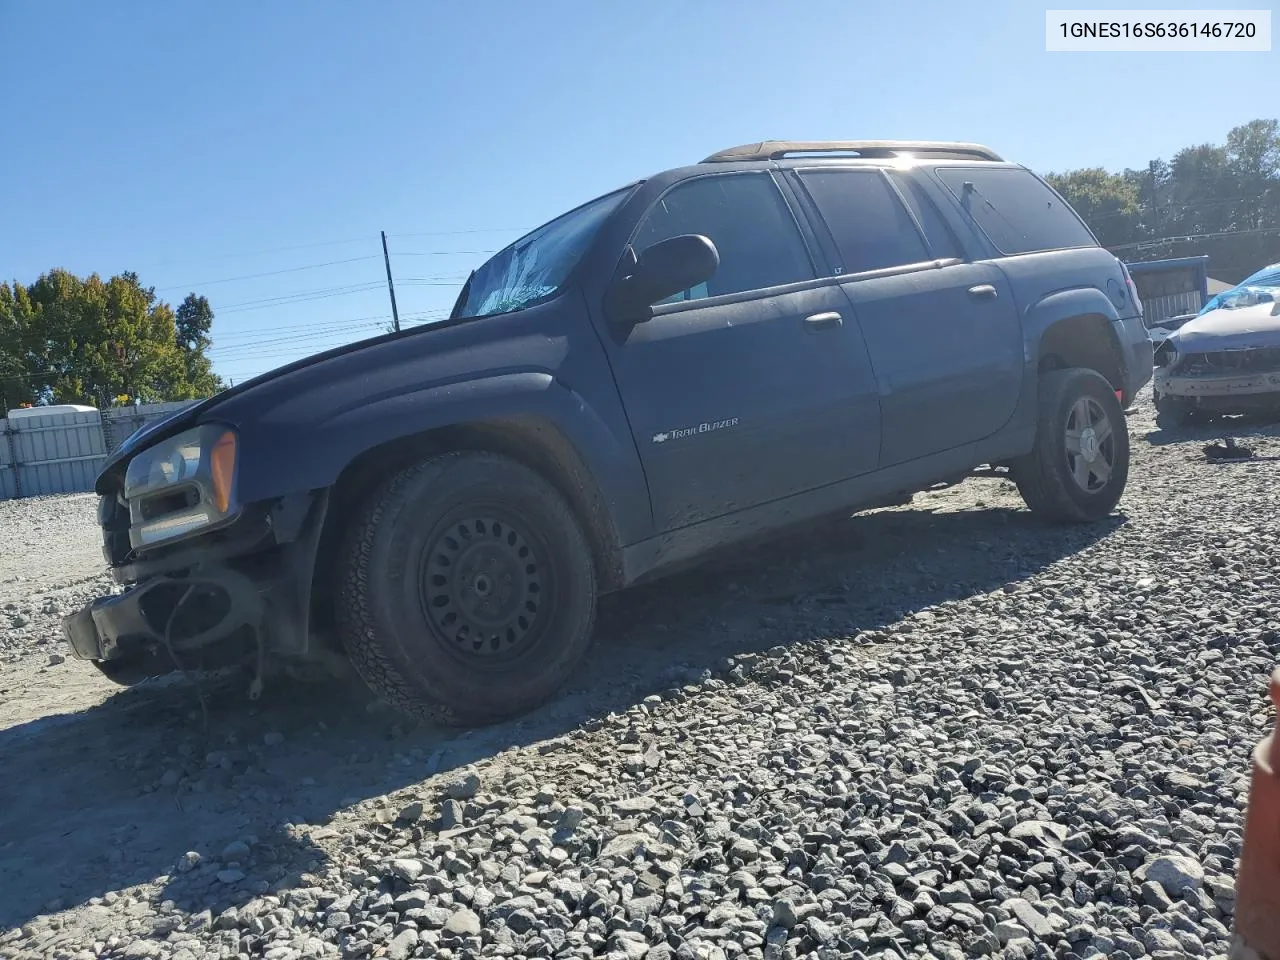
(1090, 445)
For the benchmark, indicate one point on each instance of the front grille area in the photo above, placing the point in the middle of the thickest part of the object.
(1229, 362)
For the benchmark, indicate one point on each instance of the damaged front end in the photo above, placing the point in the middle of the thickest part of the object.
(1225, 361)
(208, 581)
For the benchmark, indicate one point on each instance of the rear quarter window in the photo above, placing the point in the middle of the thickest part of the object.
(1017, 211)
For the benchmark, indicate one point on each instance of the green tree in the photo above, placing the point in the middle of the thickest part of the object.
(73, 340)
(193, 321)
(16, 383)
(1253, 159)
(1108, 202)
(1221, 200)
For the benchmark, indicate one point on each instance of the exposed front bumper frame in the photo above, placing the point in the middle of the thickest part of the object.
(261, 569)
(114, 626)
(1218, 385)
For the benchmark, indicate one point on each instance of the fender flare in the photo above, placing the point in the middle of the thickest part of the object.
(315, 458)
(1063, 305)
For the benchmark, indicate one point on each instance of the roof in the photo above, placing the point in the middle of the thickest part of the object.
(777, 149)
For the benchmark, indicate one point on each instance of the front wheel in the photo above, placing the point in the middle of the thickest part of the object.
(1078, 468)
(469, 590)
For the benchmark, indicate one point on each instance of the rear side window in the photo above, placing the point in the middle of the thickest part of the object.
(870, 226)
(941, 240)
(745, 216)
(1017, 212)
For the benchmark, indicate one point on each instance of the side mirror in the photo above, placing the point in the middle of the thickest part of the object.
(663, 269)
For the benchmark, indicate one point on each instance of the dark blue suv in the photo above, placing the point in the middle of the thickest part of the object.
(782, 332)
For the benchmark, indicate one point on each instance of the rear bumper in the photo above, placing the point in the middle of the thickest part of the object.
(1139, 353)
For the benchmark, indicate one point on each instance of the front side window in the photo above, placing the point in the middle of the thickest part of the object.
(747, 219)
(1017, 211)
(535, 267)
(871, 228)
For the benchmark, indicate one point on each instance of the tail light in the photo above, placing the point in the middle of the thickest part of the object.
(1130, 286)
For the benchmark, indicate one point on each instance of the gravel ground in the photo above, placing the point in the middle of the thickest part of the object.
(936, 731)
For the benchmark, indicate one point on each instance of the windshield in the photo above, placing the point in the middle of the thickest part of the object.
(535, 267)
(1247, 296)
(1266, 277)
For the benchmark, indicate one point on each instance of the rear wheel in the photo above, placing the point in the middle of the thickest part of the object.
(1080, 463)
(469, 590)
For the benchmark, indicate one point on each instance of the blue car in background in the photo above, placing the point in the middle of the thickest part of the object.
(1266, 277)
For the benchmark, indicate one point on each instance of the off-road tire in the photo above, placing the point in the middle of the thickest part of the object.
(389, 617)
(1044, 476)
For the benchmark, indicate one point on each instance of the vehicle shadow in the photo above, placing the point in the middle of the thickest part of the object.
(1256, 425)
(114, 796)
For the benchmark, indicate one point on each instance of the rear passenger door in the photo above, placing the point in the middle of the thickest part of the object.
(943, 334)
(755, 385)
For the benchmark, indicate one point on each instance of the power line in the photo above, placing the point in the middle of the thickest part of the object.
(1193, 236)
(269, 273)
(256, 253)
(443, 253)
(302, 325)
(301, 298)
(289, 296)
(221, 352)
(456, 233)
(1191, 205)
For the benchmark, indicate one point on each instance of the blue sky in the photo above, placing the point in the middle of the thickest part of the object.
(203, 145)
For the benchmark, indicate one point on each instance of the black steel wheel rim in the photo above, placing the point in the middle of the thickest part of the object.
(486, 587)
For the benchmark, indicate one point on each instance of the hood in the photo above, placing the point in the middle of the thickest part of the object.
(1232, 328)
(187, 417)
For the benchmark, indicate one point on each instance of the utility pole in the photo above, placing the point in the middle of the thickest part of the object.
(1155, 202)
(386, 258)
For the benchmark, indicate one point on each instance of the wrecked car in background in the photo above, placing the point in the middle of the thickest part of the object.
(1268, 276)
(1226, 360)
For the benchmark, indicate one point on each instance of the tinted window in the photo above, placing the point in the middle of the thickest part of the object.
(1018, 212)
(868, 222)
(745, 216)
(942, 241)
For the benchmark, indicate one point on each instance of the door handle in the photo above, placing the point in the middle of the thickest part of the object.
(823, 321)
(983, 291)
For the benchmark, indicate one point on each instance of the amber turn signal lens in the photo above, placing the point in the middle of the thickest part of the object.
(222, 462)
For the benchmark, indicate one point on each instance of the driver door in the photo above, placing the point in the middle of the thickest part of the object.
(755, 385)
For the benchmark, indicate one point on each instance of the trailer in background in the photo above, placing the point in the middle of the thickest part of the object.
(1171, 288)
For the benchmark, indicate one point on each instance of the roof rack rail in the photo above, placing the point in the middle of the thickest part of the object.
(777, 149)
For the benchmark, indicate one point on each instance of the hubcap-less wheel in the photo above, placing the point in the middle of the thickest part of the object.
(482, 587)
(1090, 445)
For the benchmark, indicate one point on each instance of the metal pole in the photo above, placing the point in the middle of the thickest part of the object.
(9, 433)
(386, 258)
(1155, 201)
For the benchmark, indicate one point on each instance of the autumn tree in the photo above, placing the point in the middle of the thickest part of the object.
(64, 339)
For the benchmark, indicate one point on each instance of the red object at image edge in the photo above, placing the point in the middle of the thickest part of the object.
(1257, 919)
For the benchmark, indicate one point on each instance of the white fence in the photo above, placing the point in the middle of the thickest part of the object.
(63, 452)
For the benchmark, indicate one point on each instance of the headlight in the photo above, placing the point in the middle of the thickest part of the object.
(181, 485)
